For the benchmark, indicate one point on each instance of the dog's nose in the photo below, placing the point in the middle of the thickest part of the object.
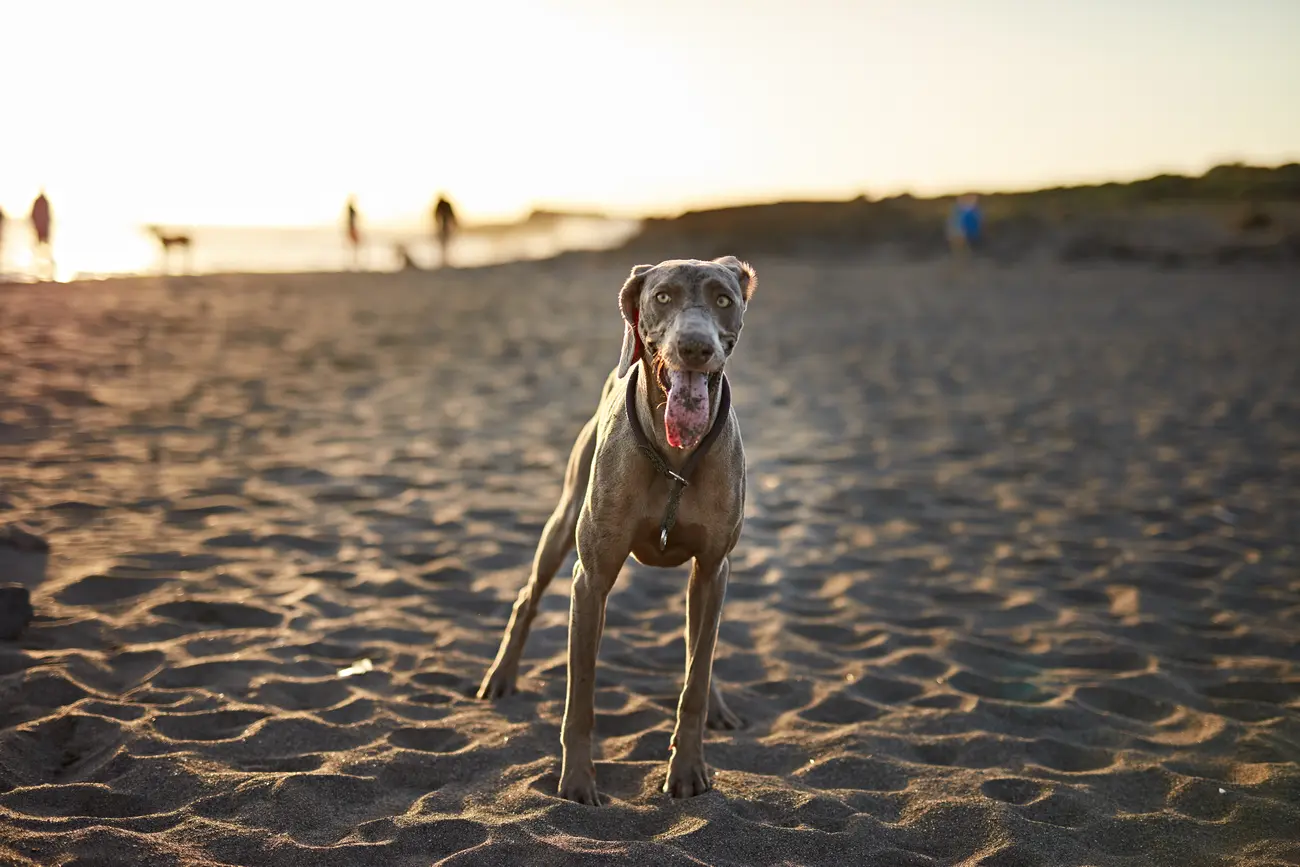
(696, 353)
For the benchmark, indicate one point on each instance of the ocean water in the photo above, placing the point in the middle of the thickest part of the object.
(84, 251)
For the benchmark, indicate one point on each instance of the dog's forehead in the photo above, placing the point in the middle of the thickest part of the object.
(690, 273)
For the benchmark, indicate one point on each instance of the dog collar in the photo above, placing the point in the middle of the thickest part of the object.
(676, 481)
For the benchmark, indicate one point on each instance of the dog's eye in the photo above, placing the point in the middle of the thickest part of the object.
(724, 301)
(663, 297)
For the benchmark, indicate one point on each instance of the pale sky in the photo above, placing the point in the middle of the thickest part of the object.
(273, 112)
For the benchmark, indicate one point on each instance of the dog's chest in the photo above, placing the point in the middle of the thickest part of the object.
(685, 541)
(706, 518)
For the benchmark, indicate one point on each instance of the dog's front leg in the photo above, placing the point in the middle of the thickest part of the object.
(586, 623)
(688, 776)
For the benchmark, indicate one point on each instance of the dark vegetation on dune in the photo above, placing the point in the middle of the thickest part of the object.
(1232, 213)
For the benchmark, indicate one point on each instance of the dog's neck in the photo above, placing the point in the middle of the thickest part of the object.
(651, 399)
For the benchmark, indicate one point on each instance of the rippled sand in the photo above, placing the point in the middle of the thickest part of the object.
(1018, 585)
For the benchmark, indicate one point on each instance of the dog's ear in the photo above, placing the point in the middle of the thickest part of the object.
(629, 304)
(744, 274)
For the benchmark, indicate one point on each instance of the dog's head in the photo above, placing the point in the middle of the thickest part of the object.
(685, 316)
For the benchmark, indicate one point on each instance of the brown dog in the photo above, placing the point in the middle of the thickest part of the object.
(659, 473)
(181, 242)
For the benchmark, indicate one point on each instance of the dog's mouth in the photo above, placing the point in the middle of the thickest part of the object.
(686, 412)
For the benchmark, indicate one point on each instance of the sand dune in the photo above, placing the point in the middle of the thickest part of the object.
(1018, 584)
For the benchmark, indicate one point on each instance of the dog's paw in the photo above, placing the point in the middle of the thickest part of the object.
(687, 779)
(496, 684)
(721, 717)
(579, 788)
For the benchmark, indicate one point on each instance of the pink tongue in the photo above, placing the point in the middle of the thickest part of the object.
(686, 418)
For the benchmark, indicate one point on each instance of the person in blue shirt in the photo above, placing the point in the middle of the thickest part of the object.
(964, 225)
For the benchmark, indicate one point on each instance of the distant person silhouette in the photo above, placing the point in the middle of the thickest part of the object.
(354, 231)
(444, 224)
(964, 226)
(42, 223)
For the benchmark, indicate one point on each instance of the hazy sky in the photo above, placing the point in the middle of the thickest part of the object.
(272, 112)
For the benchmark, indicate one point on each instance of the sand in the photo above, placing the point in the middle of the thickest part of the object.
(1018, 583)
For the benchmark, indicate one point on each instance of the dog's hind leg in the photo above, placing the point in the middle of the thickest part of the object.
(556, 543)
(721, 717)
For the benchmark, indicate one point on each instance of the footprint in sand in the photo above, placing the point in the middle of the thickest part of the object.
(1125, 703)
(1014, 790)
(214, 726)
(429, 740)
(96, 590)
(219, 615)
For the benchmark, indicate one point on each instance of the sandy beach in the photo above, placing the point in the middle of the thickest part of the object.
(1019, 582)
